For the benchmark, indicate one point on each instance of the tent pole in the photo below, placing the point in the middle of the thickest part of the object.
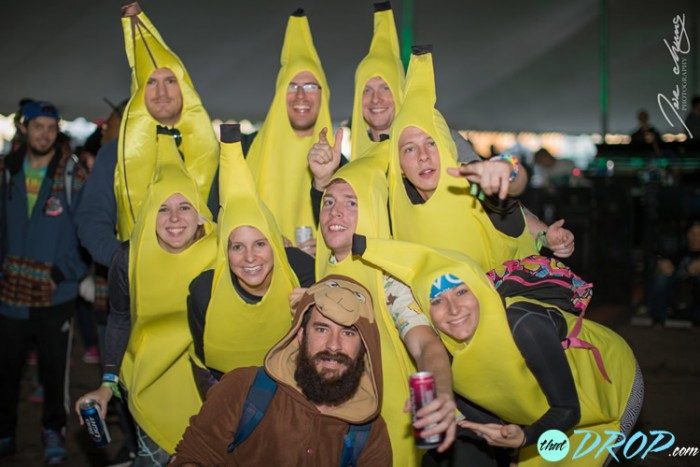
(603, 51)
(406, 31)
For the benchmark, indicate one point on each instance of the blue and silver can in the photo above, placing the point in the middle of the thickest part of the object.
(96, 426)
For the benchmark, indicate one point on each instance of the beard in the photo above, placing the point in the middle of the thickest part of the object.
(41, 152)
(328, 387)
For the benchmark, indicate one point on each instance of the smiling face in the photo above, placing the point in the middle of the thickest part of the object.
(456, 313)
(419, 159)
(377, 106)
(176, 224)
(41, 135)
(338, 218)
(250, 259)
(163, 97)
(303, 103)
(331, 347)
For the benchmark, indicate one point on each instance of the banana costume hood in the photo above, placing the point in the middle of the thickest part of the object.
(384, 61)
(278, 157)
(367, 178)
(450, 203)
(238, 334)
(146, 51)
(347, 303)
(488, 368)
(156, 368)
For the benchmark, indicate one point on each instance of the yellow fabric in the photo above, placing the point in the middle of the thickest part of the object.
(462, 220)
(238, 334)
(366, 176)
(156, 368)
(383, 60)
(278, 157)
(146, 51)
(505, 247)
(490, 366)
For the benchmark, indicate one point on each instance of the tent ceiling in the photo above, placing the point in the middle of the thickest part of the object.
(507, 65)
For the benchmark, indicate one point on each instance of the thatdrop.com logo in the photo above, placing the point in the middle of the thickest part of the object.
(554, 445)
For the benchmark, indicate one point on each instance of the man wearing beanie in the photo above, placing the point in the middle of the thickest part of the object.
(41, 267)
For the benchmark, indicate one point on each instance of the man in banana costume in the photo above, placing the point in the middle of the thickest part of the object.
(299, 111)
(162, 94)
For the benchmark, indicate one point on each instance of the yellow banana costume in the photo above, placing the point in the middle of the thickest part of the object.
(238, 334)
(278, 157)
(490, 370)
(384, 61)
(367, 179)
(464, 225)
(156, 368)
(146, 52)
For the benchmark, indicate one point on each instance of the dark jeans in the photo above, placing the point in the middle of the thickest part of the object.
(85, 321)
(51, 328)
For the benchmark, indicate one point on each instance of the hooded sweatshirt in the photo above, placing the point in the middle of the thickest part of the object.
(136, 159)
(293, 431)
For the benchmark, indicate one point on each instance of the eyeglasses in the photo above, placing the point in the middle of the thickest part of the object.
(307, 87)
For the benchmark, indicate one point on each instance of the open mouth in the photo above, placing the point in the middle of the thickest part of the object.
(301, 108)
(175, 231)
(426, 173)
(337, 228)
(252, 269)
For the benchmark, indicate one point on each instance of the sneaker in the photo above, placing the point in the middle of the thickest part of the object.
(7, 447)
(54, 447)
(37, 396)
(32, 358)
(91, 355)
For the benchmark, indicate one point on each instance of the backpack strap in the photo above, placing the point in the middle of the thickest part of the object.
(353, 444)
(258, 399)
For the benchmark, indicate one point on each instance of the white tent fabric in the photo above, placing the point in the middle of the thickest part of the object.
(507, 65)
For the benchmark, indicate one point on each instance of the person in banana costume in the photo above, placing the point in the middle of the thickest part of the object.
(522, 351)
(299, 111)
(240, 309)
(147, 337)
(162, 93)
(420, 194)
(356, 200)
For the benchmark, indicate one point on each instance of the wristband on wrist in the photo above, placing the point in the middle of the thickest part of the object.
(514, 164)
(111, 381)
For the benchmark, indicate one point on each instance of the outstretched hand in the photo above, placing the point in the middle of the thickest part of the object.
(324, 159)
(503, 436)
(492, 176)
(435, 418)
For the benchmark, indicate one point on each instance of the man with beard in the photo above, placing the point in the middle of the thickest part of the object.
(323, 386)
(41, 267)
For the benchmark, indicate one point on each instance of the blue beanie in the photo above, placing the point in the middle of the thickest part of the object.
(444, 283)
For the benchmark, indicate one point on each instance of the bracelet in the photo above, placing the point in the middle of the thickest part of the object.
(514, 164)
(111, 381)
(541, 240)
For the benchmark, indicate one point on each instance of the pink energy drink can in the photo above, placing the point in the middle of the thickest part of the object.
(422, 387)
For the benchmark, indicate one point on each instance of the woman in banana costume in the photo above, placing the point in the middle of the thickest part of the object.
(240, 309)
(523, 351)
(422, 195)
(148, 339)
(175, 105)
